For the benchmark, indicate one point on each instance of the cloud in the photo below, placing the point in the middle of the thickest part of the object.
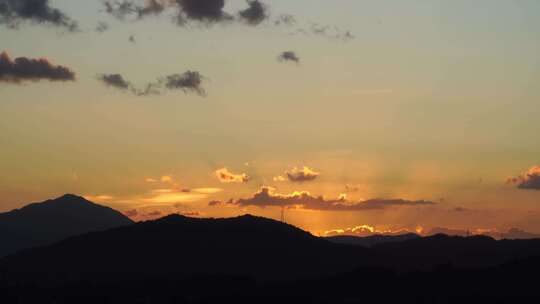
(289, 56)
(27, 69)
(332, 32)
(116, 81)
(529, 180)
(190, 81)
(367, 230)
(226, 176)
(285, 19)
(152, 7)
(205, 11)
(210, 11)
(266, 197)
(13, 12)
(279, 178)
(121, 9)
(304, 174)
(102, 27)
(256, 13)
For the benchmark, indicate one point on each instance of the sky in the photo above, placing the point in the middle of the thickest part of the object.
(392, 115)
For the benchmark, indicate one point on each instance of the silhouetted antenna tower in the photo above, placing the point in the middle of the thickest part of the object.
(283, 214)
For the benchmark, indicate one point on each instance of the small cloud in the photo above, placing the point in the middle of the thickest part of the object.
(227, 177)
(285, 19)
(189, 81)
(132, 39)
(304, 174)
(28, 69)
(102, 27)
(289, 56)
(150, 180)
(116, 81)
(530, 180)
(256, 13)
(331, 32)
(206, 11)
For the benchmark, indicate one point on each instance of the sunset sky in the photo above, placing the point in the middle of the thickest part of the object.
(398, 115)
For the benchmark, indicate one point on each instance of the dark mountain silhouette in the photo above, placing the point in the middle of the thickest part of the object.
(53, 220)
(372, 240)
(247, 246)
(462, 252)
(250, 259)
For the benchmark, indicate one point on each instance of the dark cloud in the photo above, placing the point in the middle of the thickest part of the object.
(530, 180)
(289, 56)
(187, 82)
(204, 10)
(116, 81)
(121, 9)
(190, 81)
(102, 27)
(304, 174)
(13, 12)
(266, 197)
(132, 39)
(27, 69)
(256, 13)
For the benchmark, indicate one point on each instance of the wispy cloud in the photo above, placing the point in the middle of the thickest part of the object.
(188, 82)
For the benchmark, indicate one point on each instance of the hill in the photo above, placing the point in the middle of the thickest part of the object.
(50, 221)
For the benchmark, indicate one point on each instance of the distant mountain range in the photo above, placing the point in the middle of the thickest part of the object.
(107, 258)
(370, 241)
(53, 220)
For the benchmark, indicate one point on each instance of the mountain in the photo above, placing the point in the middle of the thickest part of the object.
(249, 259)
(53, 220)
(246, 246)
(372, 240)
(462, 252)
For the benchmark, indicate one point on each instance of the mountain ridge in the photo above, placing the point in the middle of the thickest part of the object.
(52, 220)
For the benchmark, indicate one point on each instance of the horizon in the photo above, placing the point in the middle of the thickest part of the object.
(351, 117)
